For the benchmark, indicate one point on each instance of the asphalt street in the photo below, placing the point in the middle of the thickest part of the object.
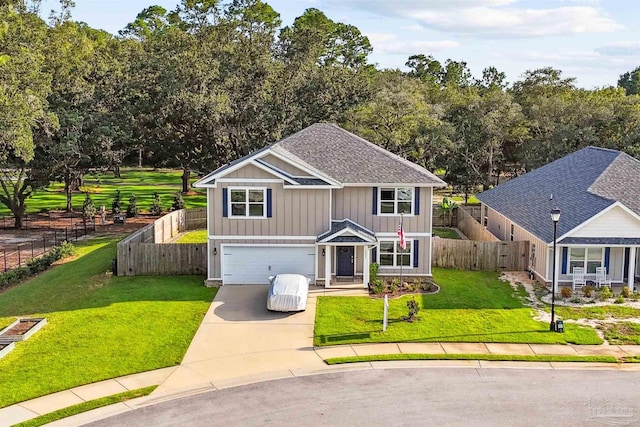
(410, 397)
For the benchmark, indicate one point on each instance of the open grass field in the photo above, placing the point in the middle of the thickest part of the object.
(99, 326)
(470, 307)
(102, 188)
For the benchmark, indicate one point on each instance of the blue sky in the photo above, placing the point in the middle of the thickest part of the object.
(592, 40)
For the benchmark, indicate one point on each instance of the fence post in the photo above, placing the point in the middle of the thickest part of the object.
(55, 237)
(44, 243)
(5, 259)
(19, 260)
(76, 229)
(66, 234)
(32, 253)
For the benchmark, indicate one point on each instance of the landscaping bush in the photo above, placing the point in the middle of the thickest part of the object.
(626, 292)
(378, 286)
(587, 291)
(178, 201)
(156, 206)
(566, 292)
(36, 265)
(605, 293)
(635, 296)
(394, 285)
(11, 277)
(619, 300)
(132, 208)
(88, 208)
(414, 308)
(575, 300)
(116, 205)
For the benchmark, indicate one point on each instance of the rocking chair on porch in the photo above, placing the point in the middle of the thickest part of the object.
(601, 277)
(578, 281)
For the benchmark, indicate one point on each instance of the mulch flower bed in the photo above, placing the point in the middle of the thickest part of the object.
(407, 289)
(21, 328)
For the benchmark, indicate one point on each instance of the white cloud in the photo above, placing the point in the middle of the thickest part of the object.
(626, 48)
(490, 18)
(389, 44)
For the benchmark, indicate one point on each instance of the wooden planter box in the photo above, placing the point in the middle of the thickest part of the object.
(6, 348)
(5, 339)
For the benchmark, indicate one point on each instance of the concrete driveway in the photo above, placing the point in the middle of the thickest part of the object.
(239, 341)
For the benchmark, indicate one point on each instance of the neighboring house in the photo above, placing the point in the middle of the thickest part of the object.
(322, 202)
(598, 193)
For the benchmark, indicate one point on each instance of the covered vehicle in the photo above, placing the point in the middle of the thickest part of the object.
(288, 292)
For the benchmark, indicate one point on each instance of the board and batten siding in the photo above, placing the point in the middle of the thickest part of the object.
(295, 212)
(356, 204)
(424, 260)
(250, 172)
(500, 226)
(285, 166)
(614, 223)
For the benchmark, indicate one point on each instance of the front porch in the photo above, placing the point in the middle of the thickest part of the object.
(620, 261)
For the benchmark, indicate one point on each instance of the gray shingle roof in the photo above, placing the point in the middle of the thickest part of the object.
(600, 241)
(582, 184)
(349, 159)
(299, 180)
(337, 226)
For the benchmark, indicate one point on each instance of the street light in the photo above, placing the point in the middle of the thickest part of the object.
(555, 217)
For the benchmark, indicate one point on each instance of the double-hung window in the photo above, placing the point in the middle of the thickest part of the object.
(587, 258)
(247, 202)
(391, 255)
(394, 201)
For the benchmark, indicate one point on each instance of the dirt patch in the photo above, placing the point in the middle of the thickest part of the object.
(21, 328)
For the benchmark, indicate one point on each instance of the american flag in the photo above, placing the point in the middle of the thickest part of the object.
(403, 242)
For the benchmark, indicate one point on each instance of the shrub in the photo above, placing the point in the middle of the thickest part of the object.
(378, 286)
(116, 205)
(156, 207)
(66, 249)
(88, 208)
(619, 300)
(575, 300)
(566, 292)
(178, 201)
(626, 292)
(373, 272)
(132, 208)
(635, 296)
(414, 308)
(394, 285)
(587, 291)
(605, 293)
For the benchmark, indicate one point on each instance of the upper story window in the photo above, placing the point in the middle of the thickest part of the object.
(394, 201)
(247, 202)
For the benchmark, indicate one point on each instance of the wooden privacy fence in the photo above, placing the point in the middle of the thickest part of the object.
(440, 219)
(473, 229)
(480, 256)
(144, 252)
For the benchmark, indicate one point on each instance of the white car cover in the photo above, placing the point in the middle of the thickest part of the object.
(288, 292)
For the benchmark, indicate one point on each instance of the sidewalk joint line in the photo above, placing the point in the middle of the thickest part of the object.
(72, 390)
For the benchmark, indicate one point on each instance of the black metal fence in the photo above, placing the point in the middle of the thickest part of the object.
(31, 246)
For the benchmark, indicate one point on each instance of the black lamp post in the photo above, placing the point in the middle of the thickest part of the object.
(555, 217)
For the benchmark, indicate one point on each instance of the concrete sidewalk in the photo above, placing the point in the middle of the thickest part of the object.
(32, 408)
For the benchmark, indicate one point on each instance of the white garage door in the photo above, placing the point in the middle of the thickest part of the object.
(254, 264)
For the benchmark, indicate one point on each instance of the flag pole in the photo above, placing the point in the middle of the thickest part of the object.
(401, 249)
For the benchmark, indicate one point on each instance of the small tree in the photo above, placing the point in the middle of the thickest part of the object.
(178, 201)
(116, 205)
(447, 207)
(132, 208)
(88, 209)
(156, 207)
(414, 308)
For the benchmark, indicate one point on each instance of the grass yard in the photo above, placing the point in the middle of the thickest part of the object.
(102, 188)
(622, 333)
(470, 307)
(99, 326)
(196, 236)
(445, 233)
(597, 312)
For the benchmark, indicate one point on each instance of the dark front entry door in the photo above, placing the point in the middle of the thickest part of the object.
(345, 261)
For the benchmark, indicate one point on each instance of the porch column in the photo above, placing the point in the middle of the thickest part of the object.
(632, 268)
(366, 260)
(327, 266)
(554, 286)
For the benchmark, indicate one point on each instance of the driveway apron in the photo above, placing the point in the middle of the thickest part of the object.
(238, 338)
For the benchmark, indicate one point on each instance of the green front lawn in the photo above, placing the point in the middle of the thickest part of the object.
(622, 333)
(470, 307)
(445, 233)
(102, 188)
(597, 312)
(99, 326)
(196, 236)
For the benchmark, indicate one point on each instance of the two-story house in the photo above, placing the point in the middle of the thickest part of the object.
(322, 202)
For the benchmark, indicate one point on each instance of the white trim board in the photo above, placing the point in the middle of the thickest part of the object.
(598, 215)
